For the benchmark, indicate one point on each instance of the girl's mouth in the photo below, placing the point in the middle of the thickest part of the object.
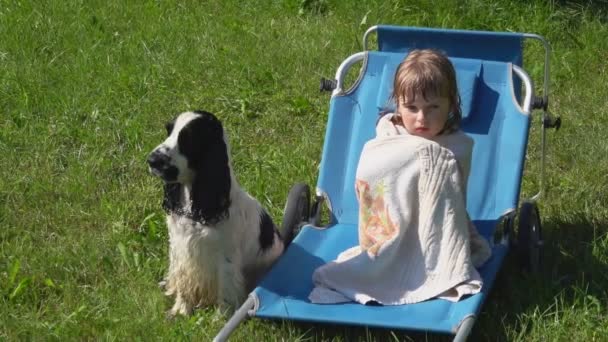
(421, 129)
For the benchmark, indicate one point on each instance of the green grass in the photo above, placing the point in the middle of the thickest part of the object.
(85, 87)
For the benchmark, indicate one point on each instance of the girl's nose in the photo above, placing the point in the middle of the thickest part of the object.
(421, 116)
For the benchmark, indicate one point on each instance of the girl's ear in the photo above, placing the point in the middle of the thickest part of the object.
(451, 117)
(449, 123)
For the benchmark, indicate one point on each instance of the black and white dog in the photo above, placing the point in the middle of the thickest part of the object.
(221, 240)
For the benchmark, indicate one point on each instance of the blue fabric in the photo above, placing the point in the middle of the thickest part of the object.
(484, 45)
(284, 292)
(467, 84)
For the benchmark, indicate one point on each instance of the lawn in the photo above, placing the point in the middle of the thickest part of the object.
(86, 87)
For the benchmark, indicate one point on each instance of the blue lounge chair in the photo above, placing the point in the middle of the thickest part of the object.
(497, 99)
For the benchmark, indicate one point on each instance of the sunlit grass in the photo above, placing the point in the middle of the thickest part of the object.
(85, 88)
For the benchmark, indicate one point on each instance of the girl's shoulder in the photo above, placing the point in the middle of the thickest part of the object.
(384, 116)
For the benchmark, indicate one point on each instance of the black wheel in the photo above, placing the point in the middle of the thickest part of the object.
(529, 237)
(297, 211)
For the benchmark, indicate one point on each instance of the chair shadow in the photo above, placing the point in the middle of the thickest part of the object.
(291, 275)
(568, 265)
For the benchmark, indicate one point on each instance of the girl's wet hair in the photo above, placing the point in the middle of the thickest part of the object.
(428, 73)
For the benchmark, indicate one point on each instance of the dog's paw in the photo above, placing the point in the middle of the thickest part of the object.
(163, 285)
(180, 307)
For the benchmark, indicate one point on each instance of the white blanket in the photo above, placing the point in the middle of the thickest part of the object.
(415, 237)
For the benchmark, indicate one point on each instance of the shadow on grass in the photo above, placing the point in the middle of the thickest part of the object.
(569, 266)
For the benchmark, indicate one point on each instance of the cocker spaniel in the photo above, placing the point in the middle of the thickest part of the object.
(221, 240)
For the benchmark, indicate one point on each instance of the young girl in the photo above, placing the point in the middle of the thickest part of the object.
(416, 240)
(428, 106)
(426, 94)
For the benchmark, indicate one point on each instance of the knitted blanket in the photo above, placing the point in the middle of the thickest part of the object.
(414, 231)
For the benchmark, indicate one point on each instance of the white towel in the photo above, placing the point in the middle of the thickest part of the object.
(414, 232)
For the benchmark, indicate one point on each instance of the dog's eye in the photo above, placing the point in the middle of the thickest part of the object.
(169, 127)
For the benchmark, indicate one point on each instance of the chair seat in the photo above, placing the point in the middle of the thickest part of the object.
(283, 294)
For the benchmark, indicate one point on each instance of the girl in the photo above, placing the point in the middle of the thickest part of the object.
(416, 240)
(426, 95)
(428, 106)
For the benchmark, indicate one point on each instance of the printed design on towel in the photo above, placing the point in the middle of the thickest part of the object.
(375, 224)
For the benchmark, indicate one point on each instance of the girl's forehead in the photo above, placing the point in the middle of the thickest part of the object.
(424, 88)
(424, 98)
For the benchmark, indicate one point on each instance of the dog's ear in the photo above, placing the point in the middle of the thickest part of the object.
(202, 141)
(171, 202)
(211, 185)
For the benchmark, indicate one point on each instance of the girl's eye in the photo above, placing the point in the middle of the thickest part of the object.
(411, 108)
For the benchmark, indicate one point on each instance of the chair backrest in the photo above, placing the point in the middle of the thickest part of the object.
(484, 45)
(491, 117)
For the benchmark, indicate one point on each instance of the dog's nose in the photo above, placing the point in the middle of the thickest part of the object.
(157, 160)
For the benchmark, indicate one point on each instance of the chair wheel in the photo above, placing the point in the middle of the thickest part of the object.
(297, 211)
(529, 237)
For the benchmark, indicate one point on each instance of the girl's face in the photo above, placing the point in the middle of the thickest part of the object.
(424, 117)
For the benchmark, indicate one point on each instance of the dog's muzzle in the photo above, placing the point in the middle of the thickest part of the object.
(160, 165)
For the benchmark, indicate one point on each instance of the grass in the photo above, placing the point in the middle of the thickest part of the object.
(85, 87)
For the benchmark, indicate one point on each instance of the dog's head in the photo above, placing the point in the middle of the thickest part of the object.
(194, 155)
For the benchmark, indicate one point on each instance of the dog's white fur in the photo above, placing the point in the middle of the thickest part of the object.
(209, 264)
(214, 263)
